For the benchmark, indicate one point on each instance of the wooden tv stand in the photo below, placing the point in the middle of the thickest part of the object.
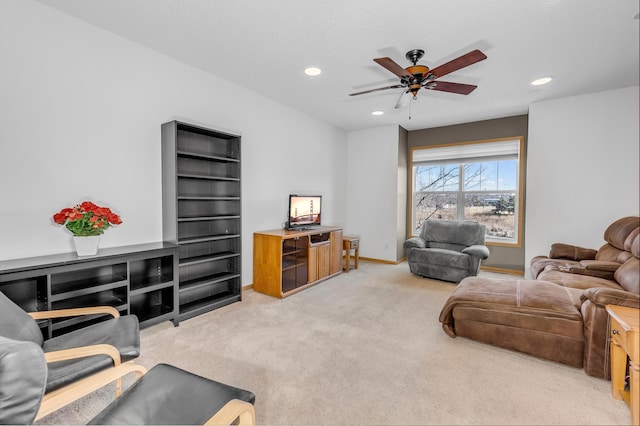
(285, 262)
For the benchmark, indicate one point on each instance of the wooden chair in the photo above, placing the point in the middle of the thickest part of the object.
(76, 355)
(164, 395)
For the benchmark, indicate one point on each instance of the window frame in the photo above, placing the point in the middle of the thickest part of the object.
(460, 193)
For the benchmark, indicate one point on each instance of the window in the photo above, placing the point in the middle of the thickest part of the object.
(477, 181)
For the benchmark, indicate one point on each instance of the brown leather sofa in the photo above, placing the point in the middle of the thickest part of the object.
(560, 315)
(578, 267)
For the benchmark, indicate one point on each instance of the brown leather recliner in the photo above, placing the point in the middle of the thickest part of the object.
(560, 316)
(619, 258)
(601, 263)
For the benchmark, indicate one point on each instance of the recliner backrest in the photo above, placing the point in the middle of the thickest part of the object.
(628, 275)
(617, 233)
(23, 376)
(451, 234)
(16, 324)
(618, 237)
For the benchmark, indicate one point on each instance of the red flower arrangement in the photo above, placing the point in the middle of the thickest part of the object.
(87, 219)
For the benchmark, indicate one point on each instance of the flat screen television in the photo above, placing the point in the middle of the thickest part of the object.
(304, 211)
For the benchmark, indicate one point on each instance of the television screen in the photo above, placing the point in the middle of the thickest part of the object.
(304, 211)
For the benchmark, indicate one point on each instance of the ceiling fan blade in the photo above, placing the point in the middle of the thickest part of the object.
(395, 86)
(460, 62)
(401, 100)
(447, 86)
(389, 64)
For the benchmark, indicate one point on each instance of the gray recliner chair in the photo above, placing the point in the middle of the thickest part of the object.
(447, 250)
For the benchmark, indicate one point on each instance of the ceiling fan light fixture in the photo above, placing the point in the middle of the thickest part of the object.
(418, 69)
(415, 77)
(312, 71)
(541, 81)
(377, 112)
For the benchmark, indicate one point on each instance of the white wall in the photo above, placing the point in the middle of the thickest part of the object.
(80, 116)
(372, 186)
(582, 168)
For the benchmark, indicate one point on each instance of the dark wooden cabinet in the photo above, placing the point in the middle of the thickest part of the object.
(139, 279)
(201, 214)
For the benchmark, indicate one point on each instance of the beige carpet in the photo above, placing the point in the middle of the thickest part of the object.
(366, 347)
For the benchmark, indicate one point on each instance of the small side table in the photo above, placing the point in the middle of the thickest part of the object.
(348, 244)
(625, 344)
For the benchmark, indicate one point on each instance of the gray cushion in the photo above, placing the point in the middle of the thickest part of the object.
(441, 257)
(23, 373)
(445, 246)
(16, 324)
(122, 332)
(464, 233)
(169, 395)
(477, 250)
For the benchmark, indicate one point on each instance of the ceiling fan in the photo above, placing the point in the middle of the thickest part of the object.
(416, 77)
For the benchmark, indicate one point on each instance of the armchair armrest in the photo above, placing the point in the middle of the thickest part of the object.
(477, 250)
(600, 265)
(607, 275)
(58, 398)
(602, 296)
(415, 242)
(232, 410)
(84, 351)
(71, 312)
(571, 252)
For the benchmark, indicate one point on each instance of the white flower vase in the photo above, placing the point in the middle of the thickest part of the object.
(86, 246)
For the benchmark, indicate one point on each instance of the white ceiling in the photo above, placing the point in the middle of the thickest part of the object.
(585, 45)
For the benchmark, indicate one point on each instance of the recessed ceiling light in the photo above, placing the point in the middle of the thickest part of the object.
(377, 113)
(313, 71)
(541, 81)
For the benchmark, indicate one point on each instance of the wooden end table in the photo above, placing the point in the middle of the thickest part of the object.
(625, 345)
(348, 244)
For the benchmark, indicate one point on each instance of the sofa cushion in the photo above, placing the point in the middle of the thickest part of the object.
(618, 231)
(441, 257)
(466, 233)
(445, 246)
(628, 275)
(540, 263)
(631, 243)
(608, 253)
(597, 265)
(535, 317)
(579, 281)
(635, 246)
(568, 251)
(608, 275)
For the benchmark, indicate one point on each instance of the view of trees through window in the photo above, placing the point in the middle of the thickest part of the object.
(483, 191)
